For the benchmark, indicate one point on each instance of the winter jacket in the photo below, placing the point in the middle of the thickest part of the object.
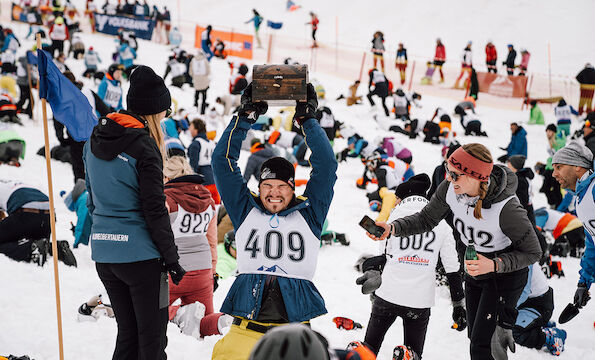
(175, 38)
(590, 142)
(467, 58)
(110, 91)
(411, 261)
(401, 56)
(82, 229)
(525, 60)
(510, 58)
(438, 177)
(586, 76)
(378, 45)
(557, 222)
(257, 19)
(200, 153)
(192, 216)
(523, 191)
(59, 32)
(558, 143)
(513, 224)
(585, 211)
(301, 298)
(518, 143)
(491, 53)
(200, 70)
(536, 300)
(92, 60)
(536, 116)
(22, 70)
(126, 55)
(440, 54)
(226, 264)
(124, 175)
(11, 43)
(15, 195)
(255, 162)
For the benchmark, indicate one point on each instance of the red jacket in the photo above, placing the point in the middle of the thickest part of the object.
(314, 23)
(440, 53)
(491, 53)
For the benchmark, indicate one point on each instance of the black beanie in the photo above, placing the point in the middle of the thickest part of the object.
(552, 127)
(517, 161)
(416, 185)
(147, 94)
(277, 168)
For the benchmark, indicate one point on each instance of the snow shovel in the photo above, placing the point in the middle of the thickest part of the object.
(569, 312)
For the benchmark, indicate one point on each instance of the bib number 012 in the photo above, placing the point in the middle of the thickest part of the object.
(275, 245)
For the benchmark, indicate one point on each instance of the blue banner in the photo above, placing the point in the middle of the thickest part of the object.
(109, 24)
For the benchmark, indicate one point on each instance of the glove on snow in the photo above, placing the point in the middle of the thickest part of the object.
(176, 272)
(306, 110)
(581, 296)
(250, 109)
(370, 281)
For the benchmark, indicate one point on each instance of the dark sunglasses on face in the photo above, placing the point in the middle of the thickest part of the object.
(454, 176)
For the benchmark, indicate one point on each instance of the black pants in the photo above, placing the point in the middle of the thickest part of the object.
(133, 289)
(314, 34)
(576, 240)
(76, 159)
(382, 97)
(491, 302)
(57, 45)
(534, 314)
(25, 98)
(492, 67)
(203, 105)
(17, 250)
(384, 314)
(24, 225)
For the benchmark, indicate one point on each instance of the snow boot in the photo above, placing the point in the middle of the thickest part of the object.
(403, 352)
(93, 309)
(188, 319)
(64, 253)
(554, 340)
(39, 251)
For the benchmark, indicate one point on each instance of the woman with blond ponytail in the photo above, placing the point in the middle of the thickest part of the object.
(132, 241)
(488, 215)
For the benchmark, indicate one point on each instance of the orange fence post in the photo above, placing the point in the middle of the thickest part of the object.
(361, 69)
(411, 76)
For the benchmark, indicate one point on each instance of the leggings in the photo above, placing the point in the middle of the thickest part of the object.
(384, 314)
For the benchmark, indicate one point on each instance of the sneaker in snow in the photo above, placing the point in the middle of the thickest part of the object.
(85, 313)
(554, 340)
(188, 319)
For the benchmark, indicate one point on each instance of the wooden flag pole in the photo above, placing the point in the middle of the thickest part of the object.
(52, 217)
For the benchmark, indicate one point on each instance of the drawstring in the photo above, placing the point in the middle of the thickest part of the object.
(276, 218)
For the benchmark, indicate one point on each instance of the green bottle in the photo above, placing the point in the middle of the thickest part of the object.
(470, 253)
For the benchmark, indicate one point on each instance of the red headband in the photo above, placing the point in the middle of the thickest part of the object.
(470, 165)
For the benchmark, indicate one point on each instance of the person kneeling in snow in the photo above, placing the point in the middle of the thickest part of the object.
(274, 285)
(76, 201)
(192, 215)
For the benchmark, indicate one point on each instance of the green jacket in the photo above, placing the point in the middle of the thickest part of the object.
(226, 264)
(536, 116)
(559, 143)
(10, 135)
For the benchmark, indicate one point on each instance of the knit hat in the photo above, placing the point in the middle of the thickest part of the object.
(416, 185)
(517, 161)
(277, 168)
(574, 154)
(147, 94)
(552, 127)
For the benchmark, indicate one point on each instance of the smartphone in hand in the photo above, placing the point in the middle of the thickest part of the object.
(370, 226)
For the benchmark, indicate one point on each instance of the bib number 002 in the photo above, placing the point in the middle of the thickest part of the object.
(274, 245)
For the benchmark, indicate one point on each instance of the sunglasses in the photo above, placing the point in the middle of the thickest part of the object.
(345, 323)
(168, 113)
(454, 176)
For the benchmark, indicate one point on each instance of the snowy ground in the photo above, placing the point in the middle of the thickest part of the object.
(27, 307)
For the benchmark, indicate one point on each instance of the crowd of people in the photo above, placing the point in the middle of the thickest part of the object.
(185, 217)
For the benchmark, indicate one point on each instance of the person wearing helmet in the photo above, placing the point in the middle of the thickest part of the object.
(291, 342)
(58, 34)
(110, 88)
(277, 233)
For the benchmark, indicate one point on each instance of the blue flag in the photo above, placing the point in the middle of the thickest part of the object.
(69, 105)
(274, 25)
(31, 58)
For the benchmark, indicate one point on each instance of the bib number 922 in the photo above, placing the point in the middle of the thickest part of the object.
(274, 245)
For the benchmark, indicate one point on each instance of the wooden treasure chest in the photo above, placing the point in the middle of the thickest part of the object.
(280, 85)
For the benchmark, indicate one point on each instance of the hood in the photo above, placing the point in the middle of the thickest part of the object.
(188, 192)
(526, 172)
(503, 184)
(114, 132)
(520, 131)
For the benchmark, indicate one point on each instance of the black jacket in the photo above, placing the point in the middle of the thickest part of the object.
(586, 76)
(590, 142)
(524, 176)
(510, 58)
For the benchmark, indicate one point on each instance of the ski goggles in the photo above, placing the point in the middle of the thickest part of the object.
(345, 323)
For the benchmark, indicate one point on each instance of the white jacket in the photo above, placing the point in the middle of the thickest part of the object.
(409, 277)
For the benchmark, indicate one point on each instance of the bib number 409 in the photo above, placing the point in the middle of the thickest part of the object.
(275, 245)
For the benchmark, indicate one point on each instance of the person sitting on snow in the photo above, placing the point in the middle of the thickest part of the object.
(76, 201)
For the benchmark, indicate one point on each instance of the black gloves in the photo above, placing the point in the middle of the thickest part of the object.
(459, 316)
(581, 296)
(250, 109)
(306, 110)
(176, 272)
(215, 281)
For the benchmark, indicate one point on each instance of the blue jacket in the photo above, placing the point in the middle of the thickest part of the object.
(518, 143)
(193, 156)
(302, 300)
(8, 40)
(22, 197)
(587, 272)
(102, 92)
(126, 54)
(82, 229)
(124, 177)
